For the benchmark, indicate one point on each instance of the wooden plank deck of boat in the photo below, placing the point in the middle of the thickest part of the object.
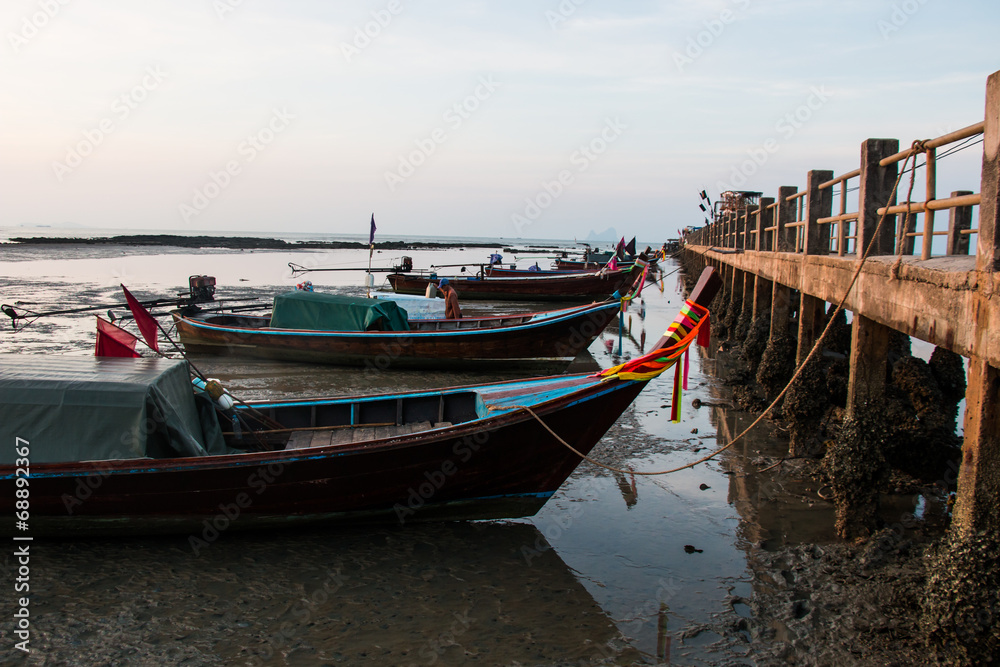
(343, 436)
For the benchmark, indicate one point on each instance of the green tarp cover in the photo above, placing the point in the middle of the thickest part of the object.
(92, 409)
(333, 312)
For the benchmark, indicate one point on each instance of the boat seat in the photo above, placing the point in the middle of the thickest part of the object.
(300, 440)
(343, 436)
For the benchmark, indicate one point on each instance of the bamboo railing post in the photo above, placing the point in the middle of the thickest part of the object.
(931, 168)
(842, 225)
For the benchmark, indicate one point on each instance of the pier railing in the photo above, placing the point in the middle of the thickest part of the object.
(785, 257)
(808, 226)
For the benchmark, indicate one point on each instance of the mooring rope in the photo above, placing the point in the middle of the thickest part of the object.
(916, 147)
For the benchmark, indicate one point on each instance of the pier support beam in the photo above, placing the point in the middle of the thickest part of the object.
(869, 350)
(979, 478)
(811, 312)
(781, 302)
(763, 290)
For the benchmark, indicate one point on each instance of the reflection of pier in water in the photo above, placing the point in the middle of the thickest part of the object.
(778, 506)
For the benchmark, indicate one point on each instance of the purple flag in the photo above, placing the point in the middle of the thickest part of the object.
(371, 235)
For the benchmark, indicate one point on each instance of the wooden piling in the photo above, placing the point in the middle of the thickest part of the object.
(762, 293)
(977, 507)
(811, 312)
(869, 349)
(781, 301)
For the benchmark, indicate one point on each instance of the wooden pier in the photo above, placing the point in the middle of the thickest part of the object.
(793, 253)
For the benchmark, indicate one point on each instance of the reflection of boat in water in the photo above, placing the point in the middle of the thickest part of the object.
(442, 594)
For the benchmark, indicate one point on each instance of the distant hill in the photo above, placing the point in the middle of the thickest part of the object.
(609, 234)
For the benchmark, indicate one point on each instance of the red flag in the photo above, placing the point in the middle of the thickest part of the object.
(642, 280)
(146, 323)
(113, 341)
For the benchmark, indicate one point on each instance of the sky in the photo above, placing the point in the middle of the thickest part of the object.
(513, 118)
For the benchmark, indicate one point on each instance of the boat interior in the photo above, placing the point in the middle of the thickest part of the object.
(320, 422)
(301, 424)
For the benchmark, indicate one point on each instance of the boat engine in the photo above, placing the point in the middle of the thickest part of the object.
(201, 288)
(405, 265)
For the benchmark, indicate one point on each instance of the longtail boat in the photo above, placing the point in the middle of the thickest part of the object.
(527, 340)
(597, 285)
(473, 452)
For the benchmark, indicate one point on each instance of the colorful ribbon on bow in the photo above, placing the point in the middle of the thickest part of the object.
(691, 324)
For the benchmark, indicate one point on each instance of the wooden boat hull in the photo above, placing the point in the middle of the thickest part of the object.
(500, 466)
(566, 288)
(541, 340)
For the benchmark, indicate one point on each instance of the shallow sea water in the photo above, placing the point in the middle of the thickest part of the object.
(615, 569)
